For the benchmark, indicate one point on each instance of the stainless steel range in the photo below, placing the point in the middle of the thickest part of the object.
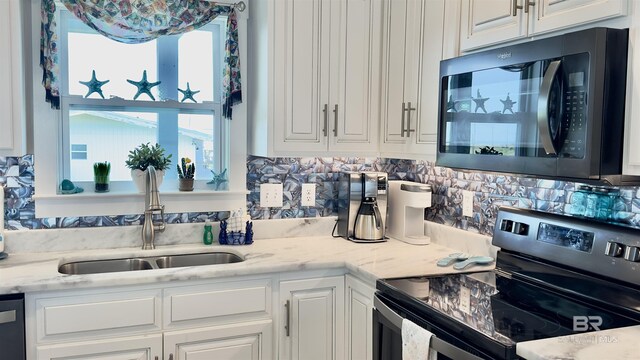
(554, 276)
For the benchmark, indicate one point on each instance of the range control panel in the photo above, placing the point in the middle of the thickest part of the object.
(601, 248)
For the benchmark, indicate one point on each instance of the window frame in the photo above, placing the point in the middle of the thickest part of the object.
(48, 128)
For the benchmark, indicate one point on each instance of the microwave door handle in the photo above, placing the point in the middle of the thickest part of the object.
(543, 107)
(437, 344)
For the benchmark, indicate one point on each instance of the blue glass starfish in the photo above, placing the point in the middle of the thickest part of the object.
(188, 94)
(144, 87)
(218, 179)
(94, 85)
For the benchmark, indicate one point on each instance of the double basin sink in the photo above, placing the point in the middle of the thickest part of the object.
(148, 263)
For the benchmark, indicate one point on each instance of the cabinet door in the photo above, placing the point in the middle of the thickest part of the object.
(147, 347)
(11, 86)
(426, 113)
(359, 310)
(355, 74)
(243, 341)
(552, 14)
(301, 74)
(312, 321)
(400, 68)
(420, 79)
(487, 22)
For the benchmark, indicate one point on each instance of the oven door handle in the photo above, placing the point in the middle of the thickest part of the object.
(437, 344)
(543, 107)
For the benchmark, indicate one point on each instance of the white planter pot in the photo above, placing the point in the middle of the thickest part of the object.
(139, 177)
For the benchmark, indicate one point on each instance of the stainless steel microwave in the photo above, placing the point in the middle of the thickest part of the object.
(552, 108)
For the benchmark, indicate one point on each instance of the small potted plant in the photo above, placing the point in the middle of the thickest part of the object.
(186, 172)
(101, 172)
(141, 158)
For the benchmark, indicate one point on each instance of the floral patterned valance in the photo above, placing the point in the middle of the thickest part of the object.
(137, 21)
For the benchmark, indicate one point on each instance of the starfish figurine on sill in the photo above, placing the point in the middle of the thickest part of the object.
(218, 179)
(94, 85)
(144, 87)
(188, 94)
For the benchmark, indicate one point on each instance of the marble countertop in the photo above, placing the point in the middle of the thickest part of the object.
(30, 272)
(619, 344)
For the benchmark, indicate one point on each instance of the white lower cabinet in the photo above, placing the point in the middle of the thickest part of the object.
(312, 321)
(221, 319)
(359, 321)
(148, 347)
(245, 341)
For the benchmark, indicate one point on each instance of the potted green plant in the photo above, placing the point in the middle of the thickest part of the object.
(186, 172)
(141, 158)
(101, 172)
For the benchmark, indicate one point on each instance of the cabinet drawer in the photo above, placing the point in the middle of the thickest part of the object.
(219, 302)
(90, 315)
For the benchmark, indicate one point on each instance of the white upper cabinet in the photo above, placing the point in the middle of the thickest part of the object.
(321, 78)
(412, 50)
(12, 123)
(490, 22)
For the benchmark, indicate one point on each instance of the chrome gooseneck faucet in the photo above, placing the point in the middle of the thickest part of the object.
(151, 207)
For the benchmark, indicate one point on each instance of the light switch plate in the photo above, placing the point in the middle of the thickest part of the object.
(467, 203)
(465, 300)
(270, 195)
(308, 196)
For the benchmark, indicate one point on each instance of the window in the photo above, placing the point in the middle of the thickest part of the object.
(113, 126)
(79, 152)
(187, 129)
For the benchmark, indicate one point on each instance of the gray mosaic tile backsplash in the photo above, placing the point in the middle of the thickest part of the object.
(490, 190)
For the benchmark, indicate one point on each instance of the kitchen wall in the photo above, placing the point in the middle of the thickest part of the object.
(490, 190)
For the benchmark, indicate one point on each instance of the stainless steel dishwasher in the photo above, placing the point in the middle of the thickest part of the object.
(12, 343)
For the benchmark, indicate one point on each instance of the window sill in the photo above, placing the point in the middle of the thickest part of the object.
(123, 202)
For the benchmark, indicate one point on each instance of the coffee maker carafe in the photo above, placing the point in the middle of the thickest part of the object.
(362, 206)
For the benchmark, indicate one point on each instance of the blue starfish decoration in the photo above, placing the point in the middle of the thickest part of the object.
(188, 94)
(507, 104)
(94, 85)
(218, 179)
(144, 87)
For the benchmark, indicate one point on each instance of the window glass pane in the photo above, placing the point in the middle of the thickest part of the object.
(77, 147)
(195, 64)
(89, 52)
(196, 142)
(110, 135)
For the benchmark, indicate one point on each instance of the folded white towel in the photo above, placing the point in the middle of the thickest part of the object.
(416, 342)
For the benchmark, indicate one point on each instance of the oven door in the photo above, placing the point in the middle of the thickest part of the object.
(387, 338)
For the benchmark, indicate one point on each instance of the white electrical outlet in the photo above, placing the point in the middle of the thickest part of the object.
(308, 196)
(270, 195)
(467, 203)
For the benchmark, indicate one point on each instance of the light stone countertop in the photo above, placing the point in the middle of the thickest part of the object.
(619, 344)
(29, 272)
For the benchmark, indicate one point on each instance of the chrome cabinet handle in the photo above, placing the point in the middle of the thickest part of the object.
(543, 107)
(287, 307)
(409, 110)
(516, 7)
(326, 119)
(7, 316)
(527, 4)
(402, 122)
(335, 120)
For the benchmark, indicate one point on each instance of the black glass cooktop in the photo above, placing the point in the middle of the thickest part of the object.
(507, 308)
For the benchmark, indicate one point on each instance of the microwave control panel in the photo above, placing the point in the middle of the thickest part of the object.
(573, 124)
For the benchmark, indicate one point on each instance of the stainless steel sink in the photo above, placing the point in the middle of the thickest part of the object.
(104, 266)
(173, 261)
(148, 263)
